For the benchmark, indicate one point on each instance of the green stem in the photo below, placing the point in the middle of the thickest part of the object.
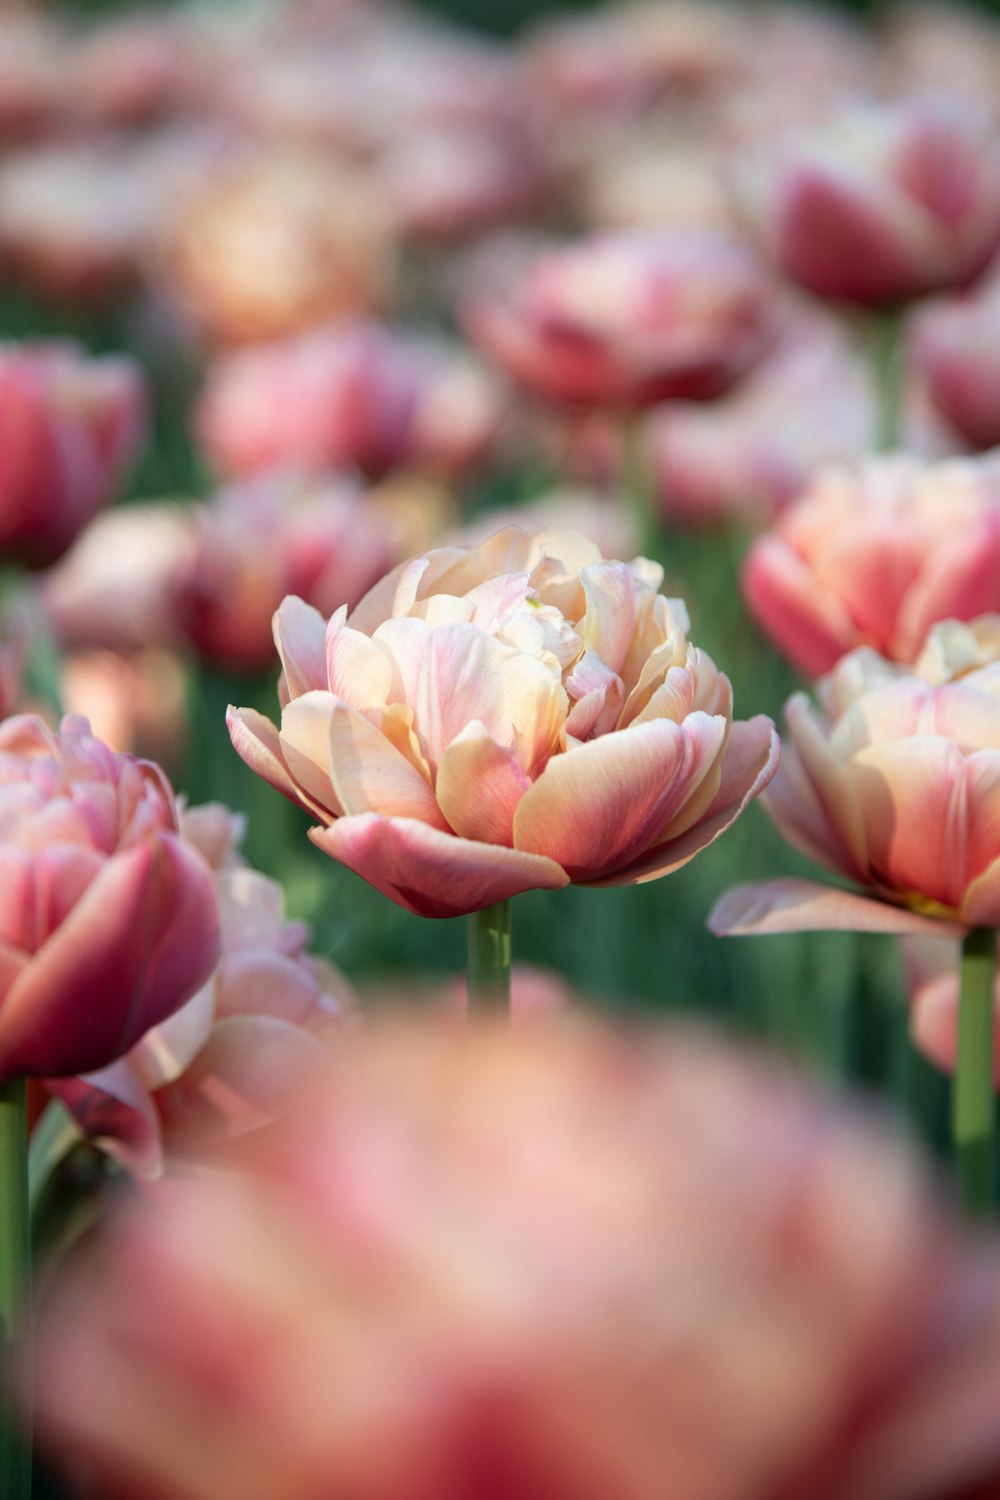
(636, 480)
(15, 1280)
(973, 1099)
(489, 959)
(887, 367)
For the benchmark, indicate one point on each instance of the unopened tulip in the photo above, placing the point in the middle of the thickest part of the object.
(881, 204)
(109, 922)
(70, 426)
(559, 1264)
(274, 246)
(894, 789)
(518, 715)
(354, 394)
(876, 553)
(956, 349)
(231, 1058)
(266, 537)
(629, 319)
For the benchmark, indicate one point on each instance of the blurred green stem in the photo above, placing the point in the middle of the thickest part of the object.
(636, 480)
(886, 344)
(15, 1281)
(973, 1100)
(489, 959)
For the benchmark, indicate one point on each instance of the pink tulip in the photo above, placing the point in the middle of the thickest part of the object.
(108, 922)
(881, 204)
(230, 1059)
(266, 537)
(350, 394)
(955, 349)
(70, 427)
(894, 789)
(874, 554)
(31, 72)
(630, 319)
(932, 973)
(521, 714)
(560, 1264)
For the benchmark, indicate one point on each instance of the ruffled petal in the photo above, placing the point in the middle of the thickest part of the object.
(431, 873)
(371, 776)
(300, 638)
(256, 741)
(808, 624)
(790, 905)
(304, 739)
(479, 785)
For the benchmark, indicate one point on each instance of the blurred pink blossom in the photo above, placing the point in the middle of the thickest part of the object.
(955, 346)
(874, 554)
(560, 1263)
(109, 921)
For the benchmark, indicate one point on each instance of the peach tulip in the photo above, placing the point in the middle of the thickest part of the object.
(874, 554)
(345, 395)
(628, 319)
(519, 714)
(955, 349)
(895, 790)
(881, 203)
(70, 426)
(226, 1062)
(559, 1264)
(266, 537)
(108, 921)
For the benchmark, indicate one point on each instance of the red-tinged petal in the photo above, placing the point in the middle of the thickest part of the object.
(962, 581)
(795, 810)
(18, 926)
(245, 1076)
(915, 804)
(371, 776)
(114, 1110)
(304, 742)
(300, 638)
(62, 874)
(981, 905)
(479, 784)
(830, 781)
(838, 237)
(431, 873)
(751, 760)
(600, 806)
(808, 625)
(137, 945)
(789, 905)
(255, 740)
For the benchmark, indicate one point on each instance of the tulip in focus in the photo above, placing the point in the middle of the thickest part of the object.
(521, 714)
(557, 1264)
(956, 349)
(882, 203)
(875, 554)
(354, 394)
(266, 537)
(894, 789)
(70, 426)
(232, 1058)
(626, 320)
(109, 922)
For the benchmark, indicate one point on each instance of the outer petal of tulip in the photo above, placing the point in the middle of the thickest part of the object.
(116, 1111)
(934, 1022)
(961, 585)
(138, 943)
(432, 873)
(810, 627)
(835, 238)
(791, 905)
(256, 742)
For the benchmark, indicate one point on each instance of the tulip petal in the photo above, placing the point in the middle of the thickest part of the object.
(750, 762)
(304, 739)
(300, 637)
(600, 806)
(808, 625)
(255, 740)
(963, 583)
(114, 1110)
(370, 775)
(830, 781)
(358, 670)
(431, 873)
(790, 905)
(914, 799)
(479, 785)
(139, 943)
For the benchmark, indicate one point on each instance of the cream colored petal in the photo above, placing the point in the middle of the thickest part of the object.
(828, 776)
(790, 905)
(370, 775)
(300, 636)
(479, 785)
(305, 727)
(257, 742)
(914, 798)
(610, 619)
(358, 670)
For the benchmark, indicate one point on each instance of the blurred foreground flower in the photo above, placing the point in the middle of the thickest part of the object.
(895, 789)
(882, 203)
(346, 395)
(875, 554)
(629, 319)
(108, 921)
(560, 1264)
(70, 426)
(275, 534)
(233, 1057)
(518, 715)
